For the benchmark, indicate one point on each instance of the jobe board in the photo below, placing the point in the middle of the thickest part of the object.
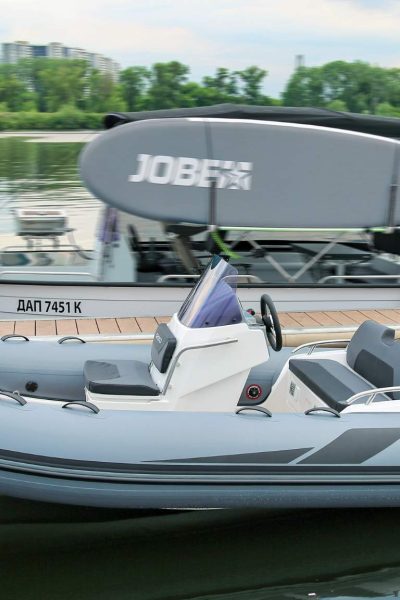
(266, 174)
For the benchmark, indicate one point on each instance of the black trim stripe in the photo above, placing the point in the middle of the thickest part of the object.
(274, 457)
(354, 446)
(20, 460)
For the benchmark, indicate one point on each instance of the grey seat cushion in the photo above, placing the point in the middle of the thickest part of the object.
(374, 354)
(120, 377)
(331, 381)
(373, 358)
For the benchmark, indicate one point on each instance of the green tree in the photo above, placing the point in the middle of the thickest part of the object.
(385, 109)
(134, 81)
(14, 92)
(58, 82)
(304, 88)
(252, 78)
(337, 105)
(393, 86)
(224, 82)
(358, 86)
(167, 82)
(101, 94)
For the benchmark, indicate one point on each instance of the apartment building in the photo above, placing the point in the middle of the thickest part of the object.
(15, 51)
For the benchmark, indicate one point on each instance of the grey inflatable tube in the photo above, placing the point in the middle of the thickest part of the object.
(134, 459)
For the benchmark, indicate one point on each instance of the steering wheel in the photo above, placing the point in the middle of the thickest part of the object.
(270, 319)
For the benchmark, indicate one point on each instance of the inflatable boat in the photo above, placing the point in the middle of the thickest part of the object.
(200, 419)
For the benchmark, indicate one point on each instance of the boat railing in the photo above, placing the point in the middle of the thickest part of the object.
(41, 248)
(313, 345)
(71, 246)
(371, 394)
(375, 277)
(178, 276)
(243, 276)
(55, 273)
(175, 362)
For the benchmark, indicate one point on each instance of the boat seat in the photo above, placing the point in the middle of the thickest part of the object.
(373, 361)
(120, 378)
(131, 377)
(331, 381)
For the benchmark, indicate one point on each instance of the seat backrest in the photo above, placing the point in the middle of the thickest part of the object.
(163, 347)
(374, 354)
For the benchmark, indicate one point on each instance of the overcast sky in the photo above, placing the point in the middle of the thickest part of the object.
(206, 34)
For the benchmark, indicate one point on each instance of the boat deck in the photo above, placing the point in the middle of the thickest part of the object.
(298, 327)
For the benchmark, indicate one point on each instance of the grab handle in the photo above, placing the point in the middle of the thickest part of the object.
(88, 405)
(14, 396)
(327, 409)
(71, 337)
(260, 409)
(14, 335)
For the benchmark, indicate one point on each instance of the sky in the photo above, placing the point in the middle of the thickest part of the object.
(206, 34)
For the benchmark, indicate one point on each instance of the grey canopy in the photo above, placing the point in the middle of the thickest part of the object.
(385, 126)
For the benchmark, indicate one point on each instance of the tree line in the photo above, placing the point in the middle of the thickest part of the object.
(51, 85)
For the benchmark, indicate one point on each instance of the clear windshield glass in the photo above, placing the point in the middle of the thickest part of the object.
(213, 301)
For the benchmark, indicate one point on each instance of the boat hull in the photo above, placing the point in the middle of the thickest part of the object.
(49, 301)
(150, 495)
(198, 460)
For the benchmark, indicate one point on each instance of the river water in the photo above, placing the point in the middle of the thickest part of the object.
(42, 172)
(58, 552)
(50, 552)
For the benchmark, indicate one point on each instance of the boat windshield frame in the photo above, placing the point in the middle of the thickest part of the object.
(213, 301)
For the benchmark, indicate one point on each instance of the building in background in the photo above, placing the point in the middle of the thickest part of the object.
(15, 51)
(299, 61)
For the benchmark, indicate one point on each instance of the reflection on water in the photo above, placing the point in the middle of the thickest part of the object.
(41, 175)
(29, 170)
(37, 174)
(59, 552)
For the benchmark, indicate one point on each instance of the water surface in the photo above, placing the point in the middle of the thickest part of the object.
(58, 552)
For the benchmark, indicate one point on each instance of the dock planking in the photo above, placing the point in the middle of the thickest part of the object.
(293, 321)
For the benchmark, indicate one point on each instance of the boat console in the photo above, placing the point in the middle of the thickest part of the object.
(200, 361)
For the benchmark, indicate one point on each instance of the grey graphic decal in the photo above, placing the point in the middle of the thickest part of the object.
(354, 446)
(274, 457)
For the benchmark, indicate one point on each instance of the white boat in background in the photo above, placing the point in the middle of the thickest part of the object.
(303, 200)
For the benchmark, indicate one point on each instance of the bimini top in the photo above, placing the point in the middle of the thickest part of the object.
(213, 301)
(386, 126)
(266, 174)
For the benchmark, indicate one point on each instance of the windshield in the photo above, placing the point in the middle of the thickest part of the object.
(213, 301)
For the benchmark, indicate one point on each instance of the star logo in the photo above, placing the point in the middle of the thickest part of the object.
(236, 176)
(237, 180)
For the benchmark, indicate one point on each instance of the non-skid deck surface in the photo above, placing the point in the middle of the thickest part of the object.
(303, 327)
(125, 326)
(298, 327)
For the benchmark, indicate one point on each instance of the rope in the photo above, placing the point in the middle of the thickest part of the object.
(222, 246)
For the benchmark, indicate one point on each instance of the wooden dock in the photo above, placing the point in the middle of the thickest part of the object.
(298, 327)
